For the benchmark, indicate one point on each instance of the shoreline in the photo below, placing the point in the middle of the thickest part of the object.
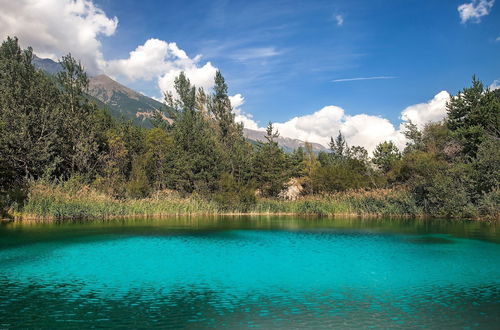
(29, 218)
(56, 203)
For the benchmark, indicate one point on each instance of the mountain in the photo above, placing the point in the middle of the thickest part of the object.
(46, 64)
(125, 103)
(122, 101)
(288, 144)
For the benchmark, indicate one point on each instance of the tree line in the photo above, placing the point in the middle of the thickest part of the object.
(51, 130)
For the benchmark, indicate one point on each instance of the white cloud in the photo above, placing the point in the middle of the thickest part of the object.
(240, 116)
(340, 20)
(57, 27)
(497, 39)
(495, 84)
(199, 76)
(158, 59)
(149, 60)
(431, 111)
(475, 10)
(236, 100)
(362, 129)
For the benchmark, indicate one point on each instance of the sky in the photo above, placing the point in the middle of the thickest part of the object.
(314, 68)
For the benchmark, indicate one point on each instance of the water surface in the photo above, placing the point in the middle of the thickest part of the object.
(268, 272)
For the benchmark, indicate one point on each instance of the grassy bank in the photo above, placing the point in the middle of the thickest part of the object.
(65, 201)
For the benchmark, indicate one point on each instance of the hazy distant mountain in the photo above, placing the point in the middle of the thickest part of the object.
(288, 144)
(46, 64)
(125, 103)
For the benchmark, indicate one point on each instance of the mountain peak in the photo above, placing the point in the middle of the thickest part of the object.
(103, 87)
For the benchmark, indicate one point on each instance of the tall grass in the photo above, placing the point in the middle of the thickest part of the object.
(60, 201)
(380, 202)
(68, 200)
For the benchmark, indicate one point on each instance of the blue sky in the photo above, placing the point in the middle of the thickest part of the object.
(313, 67)
(423, 44)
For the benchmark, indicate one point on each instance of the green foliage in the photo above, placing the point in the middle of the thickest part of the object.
(232, 196)
(270, 165)
(487, 166)
(338, 177)
(338, 147)
(30, 118)
(473, 114)
(138, 185)
(158, 158)
(385, 155)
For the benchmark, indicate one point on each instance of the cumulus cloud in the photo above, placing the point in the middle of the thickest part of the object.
(200, 76)
(57, 27)
(361, 129)
(431, 111)
(495, 85)
(473, 11)
(148, 61)
(240, 116)
(161, 60)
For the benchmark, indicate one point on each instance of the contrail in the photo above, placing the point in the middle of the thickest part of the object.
(364, 78)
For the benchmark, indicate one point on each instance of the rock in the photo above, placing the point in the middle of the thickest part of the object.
(293, 191)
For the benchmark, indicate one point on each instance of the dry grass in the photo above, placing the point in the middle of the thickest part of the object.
(75, 201)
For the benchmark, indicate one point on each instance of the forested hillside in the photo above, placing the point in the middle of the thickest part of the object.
(51, 133)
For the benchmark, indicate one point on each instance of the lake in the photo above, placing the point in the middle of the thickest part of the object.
(257, 272)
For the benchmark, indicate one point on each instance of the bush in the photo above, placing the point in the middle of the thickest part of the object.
(231, 196)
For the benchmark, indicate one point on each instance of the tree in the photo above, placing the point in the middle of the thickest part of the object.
(338, 147)
(385, 155)
(413, 137)
(230, 133)
(115, 167)
(158, 158)
(269, 168)
(30, 118)
(196, 165)
(79, 125)
(220, 107)
(473, 115)
(310, 166)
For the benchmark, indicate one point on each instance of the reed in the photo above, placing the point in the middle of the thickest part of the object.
(75, 201)
(380, 202)
(58, 201)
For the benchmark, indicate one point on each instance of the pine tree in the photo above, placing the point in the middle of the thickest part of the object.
(385, 155)
(473, 115)
(270, 170)
(338, 147)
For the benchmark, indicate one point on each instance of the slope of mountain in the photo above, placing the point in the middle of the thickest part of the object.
(288, 144)
(125, 103)
(46, 64)
(122, 101)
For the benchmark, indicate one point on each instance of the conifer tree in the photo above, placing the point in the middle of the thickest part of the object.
(269, 168)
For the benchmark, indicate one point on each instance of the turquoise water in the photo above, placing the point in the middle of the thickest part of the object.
(250, 272)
